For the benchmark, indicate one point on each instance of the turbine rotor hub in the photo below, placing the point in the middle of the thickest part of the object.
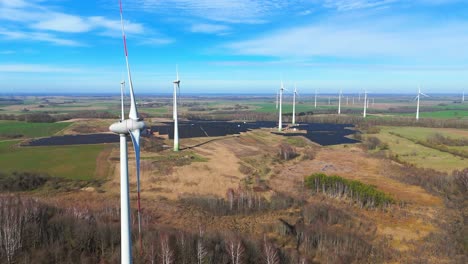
(124, 126)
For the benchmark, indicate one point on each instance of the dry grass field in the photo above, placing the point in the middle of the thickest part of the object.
(212, 166)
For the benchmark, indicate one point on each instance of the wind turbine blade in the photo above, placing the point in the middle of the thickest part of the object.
(135, 135)
(415, 98)
(425, 95)
(122, 87)
(133, 109)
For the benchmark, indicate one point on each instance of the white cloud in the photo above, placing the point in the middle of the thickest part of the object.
(379, 40)
(38, 36)
(40, 23)
(156, 41)
(63, 23)
(36, 68)
(239, 11)
(345, 5)
(209, 28)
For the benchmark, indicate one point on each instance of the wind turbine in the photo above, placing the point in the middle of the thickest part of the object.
(339, 102)
(277, 95)
(133, 127)
(365, 103)
(418, 98)
(174, 114)
(463, 96)
(294, 105)
(280, 122)
(315, 100)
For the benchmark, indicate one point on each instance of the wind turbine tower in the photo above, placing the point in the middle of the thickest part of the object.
(365, 104)
(315, 100)
(176, 122)
(133, 127)
(418, 99)
(294, 105)
(339, 102)
(463, 96)
(280, 121)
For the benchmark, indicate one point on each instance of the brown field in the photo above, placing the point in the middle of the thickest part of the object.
(403, 226)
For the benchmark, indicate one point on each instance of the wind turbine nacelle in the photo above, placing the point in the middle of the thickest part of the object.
(122, 127)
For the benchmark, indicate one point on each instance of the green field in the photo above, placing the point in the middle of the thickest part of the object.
(445, 114)
(29, 130)
(287, 108)
(419, 155)
(71, 162)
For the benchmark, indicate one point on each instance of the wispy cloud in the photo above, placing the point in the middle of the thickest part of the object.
(239, 11)
(209, 28)
(380, 40)
(37, 68)
(34, 21)
(156, 41)
(38, 36)
(345, 5)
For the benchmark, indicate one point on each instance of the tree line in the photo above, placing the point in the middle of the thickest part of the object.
(365, 195)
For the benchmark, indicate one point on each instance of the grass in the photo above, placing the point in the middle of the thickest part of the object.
(444, 114)
(336, 186)
(423, 133)
(76, 162)
(287, 108)
(29, 130)
(417, 154)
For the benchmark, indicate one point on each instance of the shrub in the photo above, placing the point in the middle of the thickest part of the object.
(287, 152)
(335, 186)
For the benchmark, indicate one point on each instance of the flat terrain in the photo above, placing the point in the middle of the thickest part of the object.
(190, 190)
(419, 155)
(70, 162)
(30, 130)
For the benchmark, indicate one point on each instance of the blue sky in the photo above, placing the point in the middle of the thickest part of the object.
(243, 46)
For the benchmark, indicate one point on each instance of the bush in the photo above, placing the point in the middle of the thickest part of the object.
(335, 186)
(287, 152)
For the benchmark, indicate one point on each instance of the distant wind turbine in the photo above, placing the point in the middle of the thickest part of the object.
(463, 96)
(365, 104)
(277, 95)
(315, 100)
(294, 105)
(176, 122)
(418, 99)
(133, 127)
(339, 102)
(280, 121)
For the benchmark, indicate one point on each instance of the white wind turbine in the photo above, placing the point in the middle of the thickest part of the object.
(294, 105)
(315, 100)
(133, 127)
(418, 99)
(339, 102)
(176, 122)
(280, 121)
(463, 96)
(277, 95)
(365, 104)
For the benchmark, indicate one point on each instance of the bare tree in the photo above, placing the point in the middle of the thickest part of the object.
(235, 249)
(270, 252)
(12, 222)
(167, 256)
(201, 250)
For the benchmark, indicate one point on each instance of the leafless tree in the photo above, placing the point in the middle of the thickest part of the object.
(270, 252)
(201, 250)
(236, 250)
(167, 256)
(12, 222)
